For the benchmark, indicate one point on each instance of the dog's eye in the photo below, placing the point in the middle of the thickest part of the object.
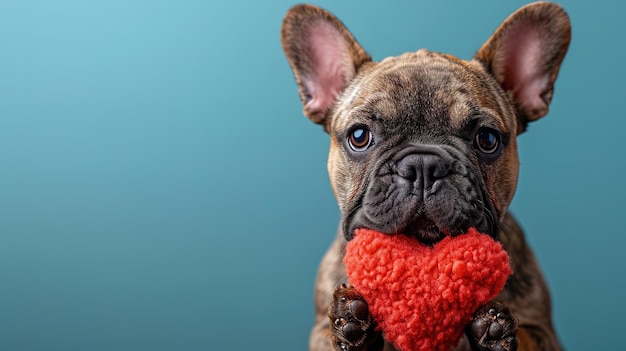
(487, 140)
(360, 139)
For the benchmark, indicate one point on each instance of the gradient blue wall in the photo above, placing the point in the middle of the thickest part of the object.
(161, 190)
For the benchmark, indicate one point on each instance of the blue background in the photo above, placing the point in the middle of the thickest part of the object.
(161, 190)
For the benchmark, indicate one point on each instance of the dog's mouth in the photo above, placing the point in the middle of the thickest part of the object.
(421, 228)
(428, 232)
(425, 231)
(425, 228)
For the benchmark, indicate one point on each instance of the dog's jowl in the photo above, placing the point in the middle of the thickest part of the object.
(424, 144)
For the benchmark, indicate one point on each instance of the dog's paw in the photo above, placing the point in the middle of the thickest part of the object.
(494, 328)
(353, 329)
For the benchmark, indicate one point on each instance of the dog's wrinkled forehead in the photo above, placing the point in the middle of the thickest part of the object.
(420, 90)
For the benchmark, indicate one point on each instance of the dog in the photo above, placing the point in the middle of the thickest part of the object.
(425, 144)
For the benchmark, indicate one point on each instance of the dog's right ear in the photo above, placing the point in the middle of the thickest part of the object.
(524, 55)
(323, 55)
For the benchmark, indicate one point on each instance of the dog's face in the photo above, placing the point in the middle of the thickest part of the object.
(425, 143)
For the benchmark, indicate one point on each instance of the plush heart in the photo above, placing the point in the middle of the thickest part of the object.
(423, 296)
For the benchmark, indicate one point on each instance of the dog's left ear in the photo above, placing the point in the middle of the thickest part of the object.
(323, 55)
(525, 53)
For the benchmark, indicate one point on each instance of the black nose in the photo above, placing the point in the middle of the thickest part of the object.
(422, 170)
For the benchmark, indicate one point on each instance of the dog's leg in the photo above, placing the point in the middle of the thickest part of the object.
(352, 326)
(494, 328)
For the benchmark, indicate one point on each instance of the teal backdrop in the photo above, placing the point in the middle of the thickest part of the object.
(160, 188)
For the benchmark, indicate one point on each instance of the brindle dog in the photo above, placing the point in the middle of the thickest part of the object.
(425, 144)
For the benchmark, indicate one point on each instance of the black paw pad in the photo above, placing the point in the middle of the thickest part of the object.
(494, 328)
(352, 326)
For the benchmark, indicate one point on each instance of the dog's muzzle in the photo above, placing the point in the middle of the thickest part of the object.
(425, 192)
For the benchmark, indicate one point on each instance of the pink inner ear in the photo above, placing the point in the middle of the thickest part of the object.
(331, 66)
(521, 66)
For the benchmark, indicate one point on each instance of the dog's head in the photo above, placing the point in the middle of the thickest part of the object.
(425, 143)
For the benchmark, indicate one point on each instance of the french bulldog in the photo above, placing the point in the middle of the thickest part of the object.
(424, 144)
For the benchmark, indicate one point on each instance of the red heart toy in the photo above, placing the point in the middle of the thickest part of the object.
(421, 296)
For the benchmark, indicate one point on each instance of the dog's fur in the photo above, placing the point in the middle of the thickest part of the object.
(425, 144)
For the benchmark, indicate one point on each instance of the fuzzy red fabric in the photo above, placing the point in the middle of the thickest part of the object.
(421, 296)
